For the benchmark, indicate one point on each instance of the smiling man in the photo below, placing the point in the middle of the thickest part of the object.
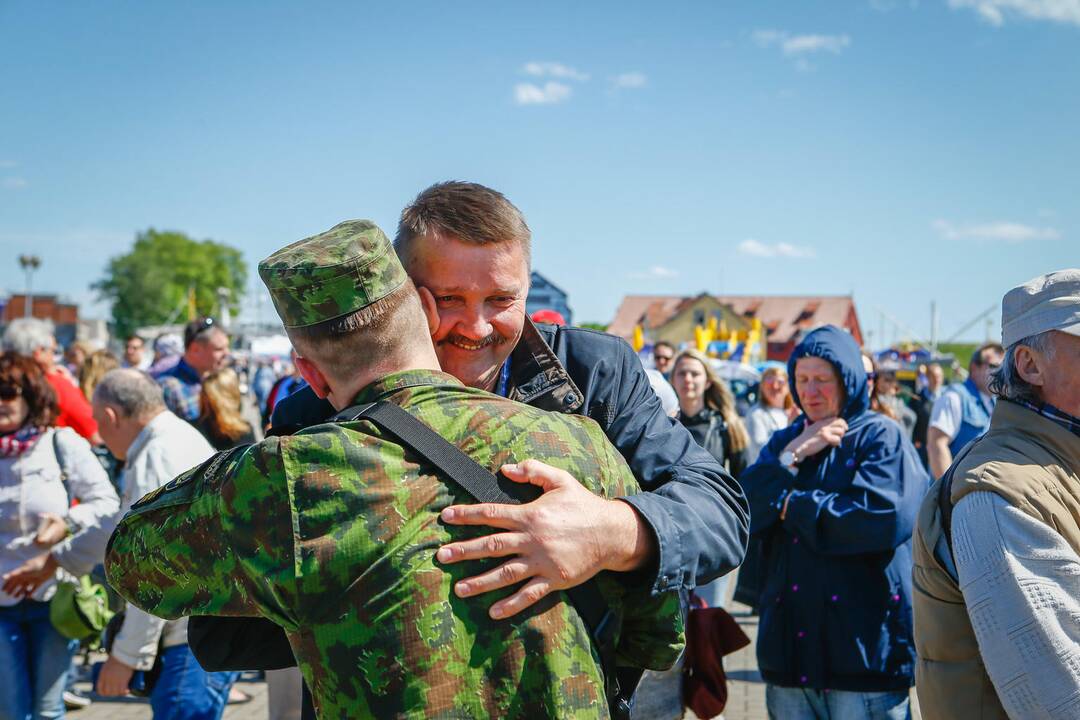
(468, 247)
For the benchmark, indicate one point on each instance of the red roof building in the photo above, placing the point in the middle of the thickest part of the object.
(785, 318)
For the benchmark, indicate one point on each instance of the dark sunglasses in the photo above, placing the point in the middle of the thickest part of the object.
(871, 376)
(9, 392)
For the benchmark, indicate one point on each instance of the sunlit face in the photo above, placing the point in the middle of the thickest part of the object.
(480, 293)
(887, 384)
(1062, 387)
(210, 353)
(663, 356)
(818, 387)
(774, 389)
(934, 377)
(980, 372)
(689, 379)
(133, 350)
(13, 408)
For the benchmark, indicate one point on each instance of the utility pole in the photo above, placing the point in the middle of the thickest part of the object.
(933, 326)
(29, 264)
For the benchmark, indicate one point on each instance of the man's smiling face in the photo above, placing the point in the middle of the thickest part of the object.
(480, 293)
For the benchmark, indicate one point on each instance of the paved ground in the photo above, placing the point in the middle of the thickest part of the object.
(746, 692)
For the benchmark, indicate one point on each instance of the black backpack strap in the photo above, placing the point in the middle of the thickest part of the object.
(944, 499)
(484, 486)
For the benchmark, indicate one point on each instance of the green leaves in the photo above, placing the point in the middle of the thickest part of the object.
(149, 285)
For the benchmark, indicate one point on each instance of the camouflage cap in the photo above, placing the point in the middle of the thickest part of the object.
(331, 274)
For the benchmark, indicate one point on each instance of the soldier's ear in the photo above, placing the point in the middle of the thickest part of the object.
(313, 376)
(431, 310)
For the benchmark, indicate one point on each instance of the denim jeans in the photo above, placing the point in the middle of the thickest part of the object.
(786, 703)
(185, 691)
(35, 660)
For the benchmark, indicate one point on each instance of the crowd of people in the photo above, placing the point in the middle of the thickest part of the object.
(458, 512)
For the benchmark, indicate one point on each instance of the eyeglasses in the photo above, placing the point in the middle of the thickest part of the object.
(871, 376)
(664, 357)
(9, 392)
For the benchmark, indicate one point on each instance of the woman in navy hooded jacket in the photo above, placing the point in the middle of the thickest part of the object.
(835, 496)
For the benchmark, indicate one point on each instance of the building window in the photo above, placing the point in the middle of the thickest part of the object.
(699, 317)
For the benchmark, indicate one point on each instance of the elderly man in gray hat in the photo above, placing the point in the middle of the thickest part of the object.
(997, 545)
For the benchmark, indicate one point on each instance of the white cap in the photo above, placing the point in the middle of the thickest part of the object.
(1048, 302)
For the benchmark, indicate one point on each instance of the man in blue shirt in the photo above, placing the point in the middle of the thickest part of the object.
(962, 413)
(206, 348)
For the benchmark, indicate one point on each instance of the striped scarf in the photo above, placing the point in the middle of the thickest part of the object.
(16, 443)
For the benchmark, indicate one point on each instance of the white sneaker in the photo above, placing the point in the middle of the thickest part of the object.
(75, 701)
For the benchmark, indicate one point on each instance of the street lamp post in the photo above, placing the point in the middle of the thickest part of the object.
(29, 264)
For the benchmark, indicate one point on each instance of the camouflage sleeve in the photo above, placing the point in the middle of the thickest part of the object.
(653, 633)
(216, 540)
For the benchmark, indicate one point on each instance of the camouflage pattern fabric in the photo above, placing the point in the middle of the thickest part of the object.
(331, 534)
(335, 273)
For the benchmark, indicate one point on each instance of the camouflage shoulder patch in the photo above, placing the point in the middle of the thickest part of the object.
(182, 488)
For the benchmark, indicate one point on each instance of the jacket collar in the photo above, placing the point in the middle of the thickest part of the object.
(151, 430)
(1010, 418)
(538, 378)
(387, 385)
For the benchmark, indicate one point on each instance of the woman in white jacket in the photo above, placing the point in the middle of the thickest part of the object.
(42, 536)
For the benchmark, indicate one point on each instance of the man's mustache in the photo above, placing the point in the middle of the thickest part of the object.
(492, 339)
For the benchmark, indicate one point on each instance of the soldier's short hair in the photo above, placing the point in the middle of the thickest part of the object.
(380, 330)
(132, 392)
(469, 212)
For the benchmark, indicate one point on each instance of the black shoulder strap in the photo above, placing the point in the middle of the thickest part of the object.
(945, 506)
(484, 487)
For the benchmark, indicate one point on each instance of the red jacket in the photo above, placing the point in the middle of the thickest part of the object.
(75, 411)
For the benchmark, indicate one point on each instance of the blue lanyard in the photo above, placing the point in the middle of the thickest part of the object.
(503, 386)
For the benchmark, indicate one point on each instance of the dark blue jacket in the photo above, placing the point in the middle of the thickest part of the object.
(836, 601)
(695, 509)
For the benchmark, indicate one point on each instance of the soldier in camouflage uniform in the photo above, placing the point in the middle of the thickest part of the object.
(331, 533)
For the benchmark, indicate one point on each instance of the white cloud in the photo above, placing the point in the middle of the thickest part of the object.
(756, 248)
(656, 272)
(554, 69)
(794, 45)
(995, 11)
(630, 80)
(550, 94)
(1009, 232)
(8, 164)
(14, 183)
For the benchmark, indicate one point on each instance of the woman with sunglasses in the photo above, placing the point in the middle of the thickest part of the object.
(35, 550)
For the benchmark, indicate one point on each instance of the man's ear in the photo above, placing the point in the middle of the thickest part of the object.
(1030, 366)
(313, 376)
(111, 415)
(431, 310)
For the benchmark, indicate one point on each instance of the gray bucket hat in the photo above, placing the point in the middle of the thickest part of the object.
(1048, 302)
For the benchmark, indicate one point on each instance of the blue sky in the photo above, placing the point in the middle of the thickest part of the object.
(901, 151)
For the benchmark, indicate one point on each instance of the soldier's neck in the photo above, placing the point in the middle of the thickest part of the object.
(343, 392)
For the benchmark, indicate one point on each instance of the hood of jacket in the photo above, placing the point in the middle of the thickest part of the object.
(836, 346)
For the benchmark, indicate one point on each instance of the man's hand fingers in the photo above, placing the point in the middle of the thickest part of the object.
(530, 594)
(507, 517)
(537, 473)
(497, 545)
(509, 573)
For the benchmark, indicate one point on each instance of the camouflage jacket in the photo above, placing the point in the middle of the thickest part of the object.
(331, 534)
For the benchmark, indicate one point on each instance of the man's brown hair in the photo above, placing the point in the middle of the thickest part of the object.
(466, 211)
(979, 356)
(383, 329)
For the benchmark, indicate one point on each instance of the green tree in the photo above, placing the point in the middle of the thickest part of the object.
(149, 285)
(594, 326)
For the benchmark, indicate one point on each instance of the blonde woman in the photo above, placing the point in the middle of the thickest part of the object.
(707, 409)
(775, 409)
(93, 369)
(220, 420)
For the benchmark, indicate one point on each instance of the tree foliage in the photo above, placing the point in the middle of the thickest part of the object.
(149, 285)
(602, 327)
